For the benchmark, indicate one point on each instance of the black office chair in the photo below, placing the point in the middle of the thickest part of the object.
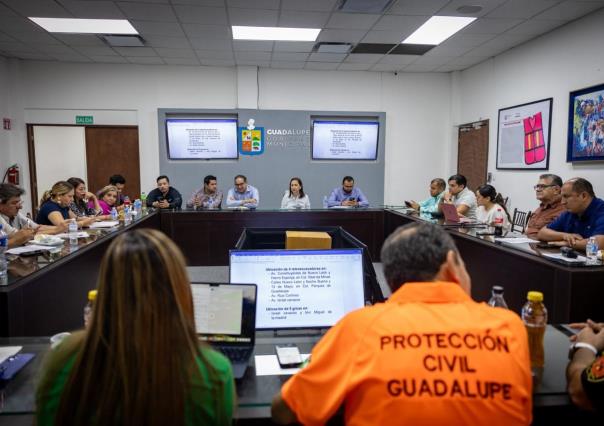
(520, 220)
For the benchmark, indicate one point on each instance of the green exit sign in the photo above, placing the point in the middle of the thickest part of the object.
(84, 119)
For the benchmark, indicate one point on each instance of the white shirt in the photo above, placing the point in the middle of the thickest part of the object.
(292, 203)
(10, 226)
(488, 217)
(467, 198)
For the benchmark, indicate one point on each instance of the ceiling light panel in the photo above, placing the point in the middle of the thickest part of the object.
(275, 33)
(85, 26)
(437, 29)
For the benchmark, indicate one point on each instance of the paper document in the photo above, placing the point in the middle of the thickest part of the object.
(81, 234)
(27, 249)
(579, 259)
(104, 224)
(267, 365)
(8, 351)
(520, 240)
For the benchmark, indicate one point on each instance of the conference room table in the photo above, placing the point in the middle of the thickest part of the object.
(45, 294)
(254, 392)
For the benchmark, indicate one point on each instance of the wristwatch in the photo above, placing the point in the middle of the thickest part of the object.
(578, 345)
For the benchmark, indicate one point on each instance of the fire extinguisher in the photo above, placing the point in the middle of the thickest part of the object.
(12, 173)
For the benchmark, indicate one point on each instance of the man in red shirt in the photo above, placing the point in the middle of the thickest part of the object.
(429, 355)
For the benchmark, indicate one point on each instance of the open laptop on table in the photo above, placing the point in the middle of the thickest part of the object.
(225, 317)
(453, 218)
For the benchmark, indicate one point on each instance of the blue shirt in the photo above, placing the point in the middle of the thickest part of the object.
(46, 209)
(431, 204)
(338, 195)
(590, 223)
(234, 198)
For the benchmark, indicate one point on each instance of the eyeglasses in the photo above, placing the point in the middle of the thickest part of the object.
(542, 187)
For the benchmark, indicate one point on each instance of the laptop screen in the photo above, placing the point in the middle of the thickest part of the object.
(225, 313)
(301, 288)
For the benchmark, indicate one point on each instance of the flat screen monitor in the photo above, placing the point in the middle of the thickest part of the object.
(201, 139)
(301, 288)
(345, 140)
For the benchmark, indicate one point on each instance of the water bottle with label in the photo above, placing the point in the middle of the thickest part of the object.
(137, 208)
(498, 222)
(3, 262)
(127, 215)
(73, 232)
(591, 251)
(114, 214)
(325, 202)
(143, 203)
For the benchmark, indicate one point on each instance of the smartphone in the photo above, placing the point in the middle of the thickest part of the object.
(288, 356)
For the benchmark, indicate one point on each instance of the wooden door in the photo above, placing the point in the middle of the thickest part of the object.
(113, 151)
(473, 153)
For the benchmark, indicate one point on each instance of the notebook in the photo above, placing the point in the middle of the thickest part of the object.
(225, 318)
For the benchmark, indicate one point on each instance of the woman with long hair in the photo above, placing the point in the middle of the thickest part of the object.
(490, 203)
(108, 199)
(54, 207)
(295, 198)
(81, 199)
(140, 362)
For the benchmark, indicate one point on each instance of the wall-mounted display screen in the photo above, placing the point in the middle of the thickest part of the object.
(344, 140)
(201, 139)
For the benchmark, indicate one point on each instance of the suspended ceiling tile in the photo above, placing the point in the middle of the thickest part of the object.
(208, 31)
(148, 11)
(287, 65)
(209, 44)
(201, 15)
(299, 19)
(170, 29)
(80, 39)
(104, 59)
(353, 21)
(163, 41)
(252, 56)
(417, 7)
(289, 56)
(254, 4)
(254, 17)
(354, 67)
(215, 54)
(175, 53)
(218, 62)
(535, 27)
(325, 66)
(37, 8)
(487, 6)
(346, 36)
(327, 57)
(315, 5)
(570, 10)
(256, 46)
(135, 51)
(363, 58)
(294, 46)
(385, 67)
(93, 9)
(490, 26)
(402, 24)
(521, 8)
(448, 51)
(145, 60)
(181, 61)
(398, 60)
(96, 51)
(383, 37)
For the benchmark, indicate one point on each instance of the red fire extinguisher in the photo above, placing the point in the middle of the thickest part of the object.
(12, 173)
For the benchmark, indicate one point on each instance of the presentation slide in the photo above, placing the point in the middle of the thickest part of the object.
(201, 139)
(345, 140)
(301, 288)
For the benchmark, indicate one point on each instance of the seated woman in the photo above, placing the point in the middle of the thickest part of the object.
(107, 199)
(82, 198)
(54, 207)
(490, 203)
(295, 198)
(140, 362)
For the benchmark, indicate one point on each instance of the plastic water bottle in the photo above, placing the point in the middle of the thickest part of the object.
(325, 203)
(114, 214)
(591, 250)
(3, 262)
(89, 307)
(497, 299)
(143, 202)
(137, 208)
(534, 316)
(73, 232)
(127, 215)
(498, 222)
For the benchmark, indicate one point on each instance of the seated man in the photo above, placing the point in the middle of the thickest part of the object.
(164, 196)
(430, 205)
(208, 197)
(585, 371)
(119, 182)
(461, 196)
(19, 228)
(347, 195)
(242, 195)
(583, 218)
(547, 191)
(429, 355)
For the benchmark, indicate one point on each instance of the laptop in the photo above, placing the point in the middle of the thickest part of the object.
(452, 217)
(225, 318)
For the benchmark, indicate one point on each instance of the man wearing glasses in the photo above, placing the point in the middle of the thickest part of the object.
(548, 193)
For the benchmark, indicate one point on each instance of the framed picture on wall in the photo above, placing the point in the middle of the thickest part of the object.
(523, 136)
(586, 125)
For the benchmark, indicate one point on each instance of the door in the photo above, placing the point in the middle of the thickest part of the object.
(473, 153)
(113, 151)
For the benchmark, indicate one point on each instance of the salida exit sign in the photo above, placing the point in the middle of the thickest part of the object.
(84, 119)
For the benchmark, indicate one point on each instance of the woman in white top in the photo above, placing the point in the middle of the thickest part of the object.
(490, 205)
(295, 198)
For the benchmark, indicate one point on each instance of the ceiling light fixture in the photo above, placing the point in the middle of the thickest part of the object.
(275, 33)
(437, 29)
(85, 26)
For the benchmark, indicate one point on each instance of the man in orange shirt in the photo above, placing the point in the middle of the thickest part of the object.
(429, 355)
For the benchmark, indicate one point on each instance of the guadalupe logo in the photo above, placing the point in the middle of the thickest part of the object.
(251, 139)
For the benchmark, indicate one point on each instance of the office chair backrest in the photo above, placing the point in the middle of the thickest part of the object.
(520, 220)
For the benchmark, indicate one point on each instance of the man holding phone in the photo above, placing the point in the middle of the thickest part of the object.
(429, 355)
(348, 195)
(430, 205)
